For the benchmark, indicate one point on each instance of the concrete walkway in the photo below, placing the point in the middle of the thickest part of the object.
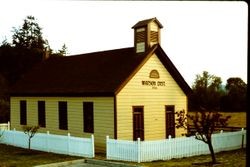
(89, 163)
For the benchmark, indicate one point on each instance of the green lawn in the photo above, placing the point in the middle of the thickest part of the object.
(235, 158)
(17, 157)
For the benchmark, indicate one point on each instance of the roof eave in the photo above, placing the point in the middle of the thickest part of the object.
(167, 64)
(145, 22)
(66, 94)
(147, 56)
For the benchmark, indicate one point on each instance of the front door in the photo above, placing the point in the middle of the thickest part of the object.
(138, 123)
(170, 121)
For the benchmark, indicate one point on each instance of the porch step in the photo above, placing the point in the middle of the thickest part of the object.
(109, 163)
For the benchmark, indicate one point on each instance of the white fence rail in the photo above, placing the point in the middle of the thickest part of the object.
(51, 143)
(5, 126)
(144, 151)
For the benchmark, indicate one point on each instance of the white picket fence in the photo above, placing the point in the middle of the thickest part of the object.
(145, 151)
(5, 126)
(51, 143)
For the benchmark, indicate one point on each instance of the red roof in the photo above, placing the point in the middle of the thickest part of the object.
(93, 74)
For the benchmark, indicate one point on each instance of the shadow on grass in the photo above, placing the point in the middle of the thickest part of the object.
(27, 153)
(211, 164)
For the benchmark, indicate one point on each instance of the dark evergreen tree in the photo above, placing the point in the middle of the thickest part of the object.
(63, 51)
(29, 35)
(27, 49)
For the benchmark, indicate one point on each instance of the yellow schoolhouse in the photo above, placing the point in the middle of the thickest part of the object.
(126, 93)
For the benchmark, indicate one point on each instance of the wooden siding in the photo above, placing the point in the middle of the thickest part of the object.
(154, 26)
(153, 98)
(154, 30)
(103, 116)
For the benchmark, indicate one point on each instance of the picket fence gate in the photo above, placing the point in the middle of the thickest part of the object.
(51, 143)
(146, 151)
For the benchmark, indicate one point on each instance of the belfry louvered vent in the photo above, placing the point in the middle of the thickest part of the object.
(140, 36)
(153, 36)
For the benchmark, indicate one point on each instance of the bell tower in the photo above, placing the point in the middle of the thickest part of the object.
(146, 34)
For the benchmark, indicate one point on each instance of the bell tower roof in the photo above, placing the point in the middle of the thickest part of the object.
(146, 22)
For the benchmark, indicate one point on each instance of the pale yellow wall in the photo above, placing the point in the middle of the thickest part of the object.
(103, 116)
(153, 26)
(153, 99)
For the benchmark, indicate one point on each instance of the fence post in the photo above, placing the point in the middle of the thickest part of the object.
(242, 140)
(14, 136)
(68, 143)
(47, 141)
(170, 146)
(107, 147)
(139, 150)
(8, 126)
(93, 145)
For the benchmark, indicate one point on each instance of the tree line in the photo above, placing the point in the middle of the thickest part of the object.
(28, 47)
(209, 93)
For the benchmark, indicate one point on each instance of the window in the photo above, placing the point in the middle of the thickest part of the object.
(23, 112)
(140, 47)
(63, 115)
(41, 114)
(88, 117)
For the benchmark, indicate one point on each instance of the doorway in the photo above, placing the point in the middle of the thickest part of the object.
(138, 123)
(170, 121)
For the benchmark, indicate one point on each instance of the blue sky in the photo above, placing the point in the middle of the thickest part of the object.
(196, 36)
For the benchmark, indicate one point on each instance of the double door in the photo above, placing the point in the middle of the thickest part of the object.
(138, 121)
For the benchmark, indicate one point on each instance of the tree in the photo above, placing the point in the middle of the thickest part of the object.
(207, 92)
(5, 43)
(29, 35)
(235, 98)
(63, 51)
(4, 105)
(30, 131)
(204, 124)
(27, 49)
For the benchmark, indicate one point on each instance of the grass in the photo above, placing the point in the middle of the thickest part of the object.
(236, 158)
(238, 119)
(17, 157)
